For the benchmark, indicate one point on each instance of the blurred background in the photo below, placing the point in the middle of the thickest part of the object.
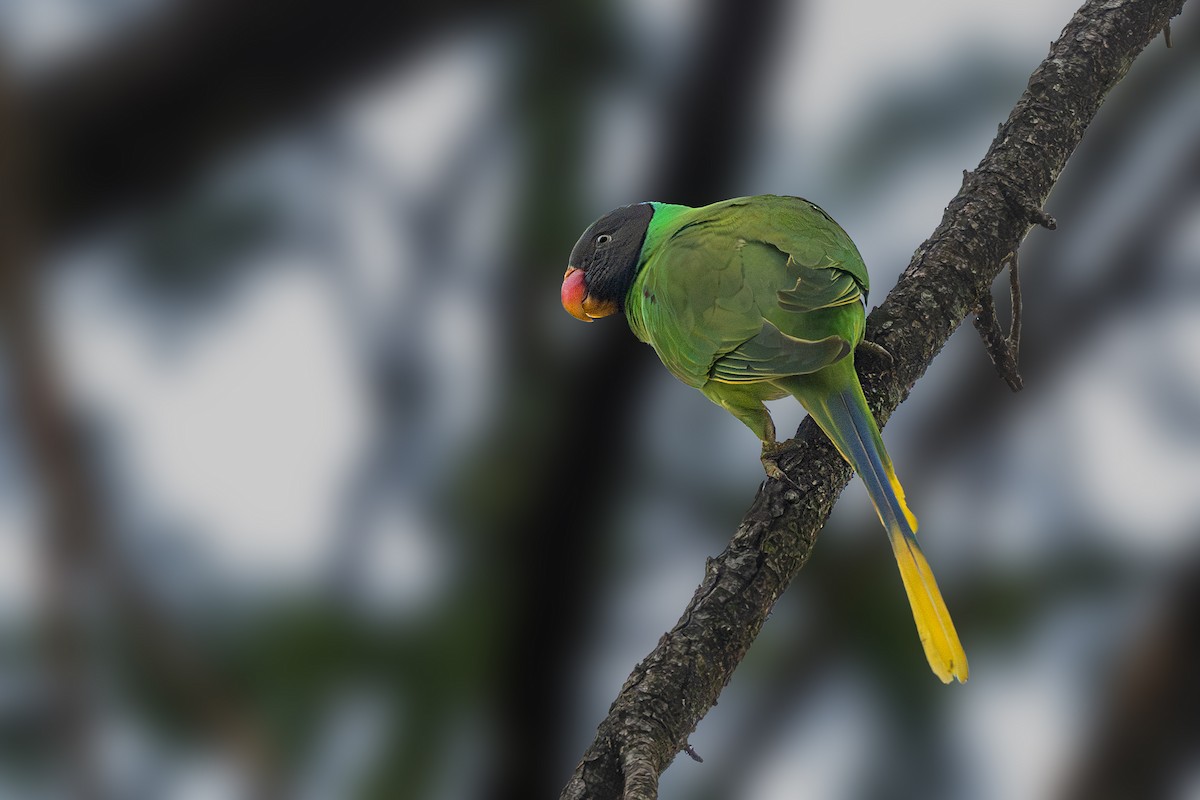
(309, 488)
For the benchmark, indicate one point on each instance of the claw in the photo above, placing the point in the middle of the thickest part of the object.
(772, 469)
(770, 455)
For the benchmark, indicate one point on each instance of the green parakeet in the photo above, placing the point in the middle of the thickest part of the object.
(752, 299)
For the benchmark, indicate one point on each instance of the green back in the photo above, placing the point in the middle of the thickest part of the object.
(747, 290)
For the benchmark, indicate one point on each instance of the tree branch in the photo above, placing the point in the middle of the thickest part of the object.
(1003, 349)
(674, 686)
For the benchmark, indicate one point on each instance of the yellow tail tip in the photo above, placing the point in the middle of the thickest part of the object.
(943, 650)
(948, 671)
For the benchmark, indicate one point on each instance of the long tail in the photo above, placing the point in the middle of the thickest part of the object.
(841, 410)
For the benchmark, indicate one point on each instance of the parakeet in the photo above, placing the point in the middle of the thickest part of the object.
(753, 299)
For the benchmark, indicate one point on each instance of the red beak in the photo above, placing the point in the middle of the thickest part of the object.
(576, 301)
(574, 292)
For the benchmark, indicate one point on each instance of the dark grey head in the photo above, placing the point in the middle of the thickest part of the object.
(604, 262)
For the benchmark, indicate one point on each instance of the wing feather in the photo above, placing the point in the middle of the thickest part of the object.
(730, 293)
(772, 354)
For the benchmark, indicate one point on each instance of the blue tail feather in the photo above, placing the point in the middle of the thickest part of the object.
(842, 413)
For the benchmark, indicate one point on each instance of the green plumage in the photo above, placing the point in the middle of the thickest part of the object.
(753, 299)
(736, 295)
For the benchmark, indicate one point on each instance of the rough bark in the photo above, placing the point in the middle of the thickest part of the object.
(668, 693)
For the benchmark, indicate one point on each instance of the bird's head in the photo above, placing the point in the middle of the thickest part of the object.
(604, 263)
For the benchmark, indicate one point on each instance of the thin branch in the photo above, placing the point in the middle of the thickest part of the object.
(1002, 349)
(674, 686)
(1014, 328)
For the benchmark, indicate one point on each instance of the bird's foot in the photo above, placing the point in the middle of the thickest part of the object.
(771, 451)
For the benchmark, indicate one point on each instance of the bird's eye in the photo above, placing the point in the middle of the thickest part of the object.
(603, 238)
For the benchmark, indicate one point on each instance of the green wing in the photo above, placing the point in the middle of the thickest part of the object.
(693, 304)
(750, 290)
(823, 287)
(772, 354)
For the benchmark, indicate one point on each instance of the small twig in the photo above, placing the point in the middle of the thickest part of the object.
(1019, 200)
(1031, 208)
(997, 344)
(1003, 350)
(1167, 34)
(1039, 217)
(1014, 328)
